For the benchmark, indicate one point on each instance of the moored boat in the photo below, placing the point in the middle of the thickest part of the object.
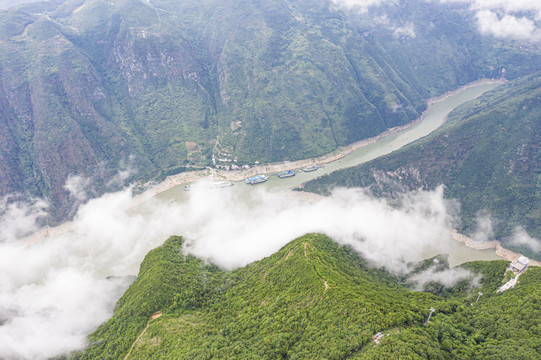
(287, 173)
(311, 168)
(256, 179)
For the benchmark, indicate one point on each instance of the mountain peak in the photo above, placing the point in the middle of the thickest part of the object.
(312, 299)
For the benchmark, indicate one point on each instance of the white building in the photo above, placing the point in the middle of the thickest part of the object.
(519, 266)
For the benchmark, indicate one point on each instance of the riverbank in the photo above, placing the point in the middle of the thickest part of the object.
(341, 152)
(464, 87)
(485, 245)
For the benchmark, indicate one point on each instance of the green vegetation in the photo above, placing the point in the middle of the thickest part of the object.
(313, 299)
(487, 155)
(167, 279)
(90, 85)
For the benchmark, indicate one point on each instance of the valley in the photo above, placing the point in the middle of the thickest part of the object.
(120, 92)
(270, 179)
(354, 154)
(481, 160)
(172, 189)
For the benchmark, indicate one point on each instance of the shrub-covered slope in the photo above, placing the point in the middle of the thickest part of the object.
(91, 87)
(313, 299)
(488, 155)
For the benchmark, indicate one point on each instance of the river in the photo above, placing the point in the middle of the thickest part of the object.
(432, 119)
(172, 190)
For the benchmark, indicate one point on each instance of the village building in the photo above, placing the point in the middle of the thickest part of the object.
(519, 266)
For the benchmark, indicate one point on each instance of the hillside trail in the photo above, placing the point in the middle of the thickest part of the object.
(154, 316)
(320, 277)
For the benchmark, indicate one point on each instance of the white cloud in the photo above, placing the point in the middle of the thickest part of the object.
(406, 31)
(510, 6)
(361, 5)
(447, 277)
(77, 186)
(485, 230)
(505, 5)
(400, 32)
(54, 293)
(381, 20)
(81, 188)
(351, 217)
(18, 218)
(55, 315)
(521, 237)
(125, 170)
(507, 27)
(516, 19)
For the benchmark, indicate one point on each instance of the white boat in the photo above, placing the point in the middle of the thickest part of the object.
(256, 179)
(311, 168)
(287, 173)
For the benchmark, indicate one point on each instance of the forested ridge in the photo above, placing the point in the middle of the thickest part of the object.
(315, 299)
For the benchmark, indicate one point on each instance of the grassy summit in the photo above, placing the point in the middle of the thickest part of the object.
(313, 299)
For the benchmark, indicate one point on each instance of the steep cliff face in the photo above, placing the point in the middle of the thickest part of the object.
(89, 86)
(56, 113)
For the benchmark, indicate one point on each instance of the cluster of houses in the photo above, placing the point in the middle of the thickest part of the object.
(229, 166)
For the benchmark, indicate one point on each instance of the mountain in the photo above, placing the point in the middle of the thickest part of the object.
(96, 93)
(488, 156)
(313, 299)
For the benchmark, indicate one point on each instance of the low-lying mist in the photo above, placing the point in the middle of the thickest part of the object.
(55, 292)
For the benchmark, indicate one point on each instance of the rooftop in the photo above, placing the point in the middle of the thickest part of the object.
(523, 260)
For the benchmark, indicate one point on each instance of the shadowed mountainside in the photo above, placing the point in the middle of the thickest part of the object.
(126, 90)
